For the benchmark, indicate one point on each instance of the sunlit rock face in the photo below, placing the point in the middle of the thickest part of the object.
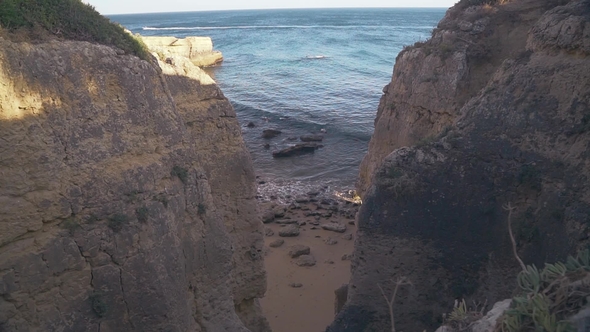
(127, 198)
(197, 49)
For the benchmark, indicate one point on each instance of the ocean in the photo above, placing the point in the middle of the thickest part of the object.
(301, 71)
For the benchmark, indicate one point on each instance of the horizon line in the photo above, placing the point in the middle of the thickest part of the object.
(251, 9)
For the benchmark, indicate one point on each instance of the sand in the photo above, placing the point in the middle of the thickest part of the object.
(309, 308)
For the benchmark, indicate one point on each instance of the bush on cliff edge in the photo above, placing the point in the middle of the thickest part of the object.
(68, 19)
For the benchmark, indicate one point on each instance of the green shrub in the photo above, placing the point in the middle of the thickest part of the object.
(180, 172)
(530, 176)
(202, 208)
(92, 219)
(69, 19)
(98, 304)
(394, 172)
(162, 198)
(142, 214)
(550, 296)
(70, 224)
(117, 221)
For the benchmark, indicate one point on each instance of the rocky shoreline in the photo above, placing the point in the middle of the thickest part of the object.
(309, 240)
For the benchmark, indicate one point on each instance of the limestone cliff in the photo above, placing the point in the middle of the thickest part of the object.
(492, 111)
(197, 49)
(127, 198)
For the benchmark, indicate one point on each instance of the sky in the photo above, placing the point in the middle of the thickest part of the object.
(108, 7)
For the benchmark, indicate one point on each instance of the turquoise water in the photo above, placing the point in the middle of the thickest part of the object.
(301, 71)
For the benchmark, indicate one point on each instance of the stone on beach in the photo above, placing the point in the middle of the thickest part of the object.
(276, 243)
(289, 231)
(334, 227)
(306, 260)
(298, 250)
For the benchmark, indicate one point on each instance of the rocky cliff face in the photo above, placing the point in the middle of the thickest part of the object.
(197, 49)
(127, 198)
(492, 112)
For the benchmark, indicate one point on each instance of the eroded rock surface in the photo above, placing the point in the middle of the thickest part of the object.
(492, 113)
(127, 199)
(199, 50)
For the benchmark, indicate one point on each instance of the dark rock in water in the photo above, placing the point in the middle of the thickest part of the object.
(251, 124)
(312, 138)
(296, 285)
(267, 146)
(296, 150)
(270, 133)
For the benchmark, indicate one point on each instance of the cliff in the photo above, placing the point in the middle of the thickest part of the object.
(197, 49)
(489, 114)
(127, 197)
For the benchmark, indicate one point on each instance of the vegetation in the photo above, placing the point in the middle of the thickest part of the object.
(401, 281)
(98, 305)
(462, 317)
(69, 19)
(202, 209)
(550, 296)
(117, 221)
(180, 172)
(142, 214)
(70, 224)
(162, 198)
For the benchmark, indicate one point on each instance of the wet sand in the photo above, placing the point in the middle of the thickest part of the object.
(310, 307)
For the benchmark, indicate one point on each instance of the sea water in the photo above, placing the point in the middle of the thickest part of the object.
(301, 71)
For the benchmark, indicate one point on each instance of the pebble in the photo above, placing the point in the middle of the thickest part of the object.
(289, 231)
(276, 243)
(268, 232)
(298, 250)
(306, 260)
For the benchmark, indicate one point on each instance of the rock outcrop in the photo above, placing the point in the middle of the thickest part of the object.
(490, 114)
(127, 198)
(198, 49)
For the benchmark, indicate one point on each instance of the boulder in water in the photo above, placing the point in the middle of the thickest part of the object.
(311, 138)
(270, 133)
(297, 149)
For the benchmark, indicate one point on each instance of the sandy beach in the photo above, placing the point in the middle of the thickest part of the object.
(300, 297)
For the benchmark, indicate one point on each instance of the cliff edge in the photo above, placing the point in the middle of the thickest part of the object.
(490, 114)
(197, 49)
(127, 197)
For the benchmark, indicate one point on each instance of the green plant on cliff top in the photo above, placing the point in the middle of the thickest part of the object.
(69, 19)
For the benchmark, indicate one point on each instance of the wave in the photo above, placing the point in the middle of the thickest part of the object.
(285, 27)
(313, 57)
